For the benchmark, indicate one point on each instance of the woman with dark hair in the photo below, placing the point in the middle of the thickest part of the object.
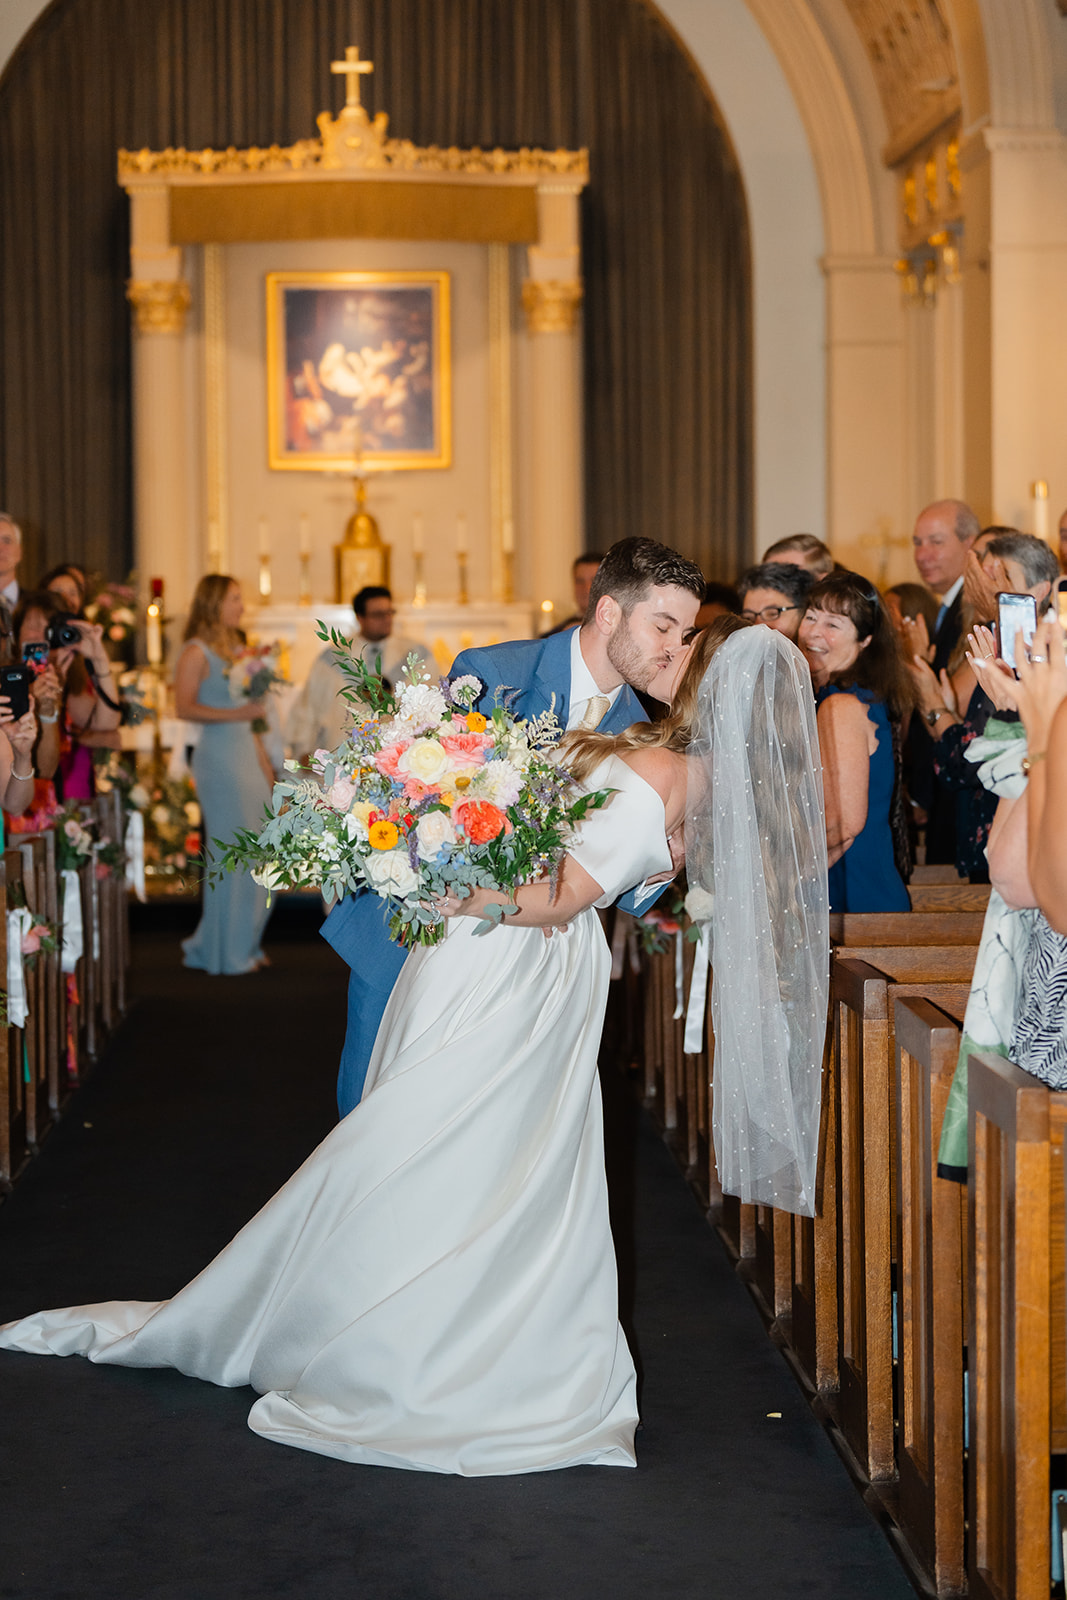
(67, 583)
(233, 778)
(864, 695)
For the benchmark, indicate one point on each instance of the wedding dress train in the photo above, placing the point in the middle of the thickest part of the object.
(435, 1288)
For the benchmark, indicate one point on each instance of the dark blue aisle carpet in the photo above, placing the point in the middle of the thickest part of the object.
(129, 1485)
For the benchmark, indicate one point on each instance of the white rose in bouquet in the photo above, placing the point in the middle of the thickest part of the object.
(425, 760)
(390, 872)
(434, 831)
(268, 877)
(699, 904)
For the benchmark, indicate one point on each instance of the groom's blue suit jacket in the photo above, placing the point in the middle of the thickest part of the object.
(535, 676)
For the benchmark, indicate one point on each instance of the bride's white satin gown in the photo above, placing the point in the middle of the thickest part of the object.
(435, 1288)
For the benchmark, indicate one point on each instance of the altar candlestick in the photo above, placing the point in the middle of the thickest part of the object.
(1039, 496)
(305, 534)
(547, 615)
(507, 538)
(154, 624)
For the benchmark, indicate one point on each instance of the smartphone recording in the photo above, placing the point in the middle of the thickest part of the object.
(1015, 613)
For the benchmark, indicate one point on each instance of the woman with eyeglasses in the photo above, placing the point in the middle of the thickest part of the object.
(774, 594)
(864, 695)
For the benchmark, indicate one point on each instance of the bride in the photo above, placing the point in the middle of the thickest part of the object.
(435, 1288)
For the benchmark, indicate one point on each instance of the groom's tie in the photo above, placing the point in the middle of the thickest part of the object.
(593, 715)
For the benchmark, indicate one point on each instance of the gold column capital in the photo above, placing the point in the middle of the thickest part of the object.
(159, 306)
(551, 304)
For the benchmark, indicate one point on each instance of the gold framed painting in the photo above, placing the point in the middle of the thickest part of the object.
(359, 370)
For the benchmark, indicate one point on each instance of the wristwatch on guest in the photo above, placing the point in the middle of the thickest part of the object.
(938, 711)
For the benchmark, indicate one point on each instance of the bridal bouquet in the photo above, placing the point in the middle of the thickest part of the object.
(252, 673)
(426, 796)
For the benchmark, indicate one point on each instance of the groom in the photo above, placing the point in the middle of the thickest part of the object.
(642, 604)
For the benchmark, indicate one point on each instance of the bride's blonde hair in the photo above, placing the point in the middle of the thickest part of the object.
(582, 752)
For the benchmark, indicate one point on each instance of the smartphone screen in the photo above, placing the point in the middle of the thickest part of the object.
(1015, 612)
(35, 656)
(1061, 590)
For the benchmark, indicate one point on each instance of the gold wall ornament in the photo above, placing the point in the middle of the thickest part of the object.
(158, 306)
(361, 558)
(551, 304)
(399, 155)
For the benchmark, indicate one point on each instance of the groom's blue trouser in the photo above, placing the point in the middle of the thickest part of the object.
(357, 930)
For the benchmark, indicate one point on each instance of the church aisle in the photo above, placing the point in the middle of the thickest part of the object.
(139, 1485)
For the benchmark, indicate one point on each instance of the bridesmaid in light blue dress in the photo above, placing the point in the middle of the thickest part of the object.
(233, 777)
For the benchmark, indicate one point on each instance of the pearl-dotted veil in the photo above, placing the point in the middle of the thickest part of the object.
(756, 843)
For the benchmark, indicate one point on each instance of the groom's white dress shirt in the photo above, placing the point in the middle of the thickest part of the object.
(584, 686)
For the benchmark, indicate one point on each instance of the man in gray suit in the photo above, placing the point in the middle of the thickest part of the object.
(642, 605)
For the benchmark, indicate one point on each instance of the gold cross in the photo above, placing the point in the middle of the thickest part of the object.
(353, 69)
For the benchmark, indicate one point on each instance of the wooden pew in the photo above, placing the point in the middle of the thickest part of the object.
(930, 1232)
(1018, 1412)
(957, 896)
(906, 927)
(935, 874)
(14, 1142)
(864, 986)
(31, 849)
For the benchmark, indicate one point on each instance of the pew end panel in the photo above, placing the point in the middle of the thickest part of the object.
(1012, 1121)
(930, 1229)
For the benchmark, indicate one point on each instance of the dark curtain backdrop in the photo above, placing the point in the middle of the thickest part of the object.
(667, 308)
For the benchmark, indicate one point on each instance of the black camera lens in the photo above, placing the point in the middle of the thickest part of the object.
(60, 631)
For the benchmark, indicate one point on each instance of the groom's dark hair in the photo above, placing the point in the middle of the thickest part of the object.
(634, 566)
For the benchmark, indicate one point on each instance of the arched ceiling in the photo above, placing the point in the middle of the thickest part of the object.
(909, 43)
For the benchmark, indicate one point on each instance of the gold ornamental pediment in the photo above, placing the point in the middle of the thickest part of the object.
(353, 181)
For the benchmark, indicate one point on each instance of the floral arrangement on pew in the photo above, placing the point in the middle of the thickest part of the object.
(114, 608)
(254, 672)
(426, 796)
(679, 910)
(74, 838)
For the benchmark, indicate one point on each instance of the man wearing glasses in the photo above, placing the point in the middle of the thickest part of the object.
(775, 594)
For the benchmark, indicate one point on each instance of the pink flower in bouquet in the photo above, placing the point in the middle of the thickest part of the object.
(465, 749)
(31, 939)
(341, 793)
(415, 789)
(386, 760)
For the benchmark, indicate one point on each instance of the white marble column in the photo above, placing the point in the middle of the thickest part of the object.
(160, 298)
(551, 297)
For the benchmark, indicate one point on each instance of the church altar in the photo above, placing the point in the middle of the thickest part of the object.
(445, 628)
(217, 370)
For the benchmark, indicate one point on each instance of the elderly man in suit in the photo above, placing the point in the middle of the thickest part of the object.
(642, 604)
(944, 533)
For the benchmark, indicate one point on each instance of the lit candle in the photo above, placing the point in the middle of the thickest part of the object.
(1039, 495)
(264, 537)
(416, 534)
(305, 534)
(507, 540)
(154, 634)
(461, 535)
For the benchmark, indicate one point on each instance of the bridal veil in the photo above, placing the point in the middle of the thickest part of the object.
(756, 844)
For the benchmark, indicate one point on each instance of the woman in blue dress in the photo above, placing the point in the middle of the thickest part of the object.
(232, 774)
(864, 694)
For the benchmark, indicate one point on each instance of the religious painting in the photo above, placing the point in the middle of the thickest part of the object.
(359, 370)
